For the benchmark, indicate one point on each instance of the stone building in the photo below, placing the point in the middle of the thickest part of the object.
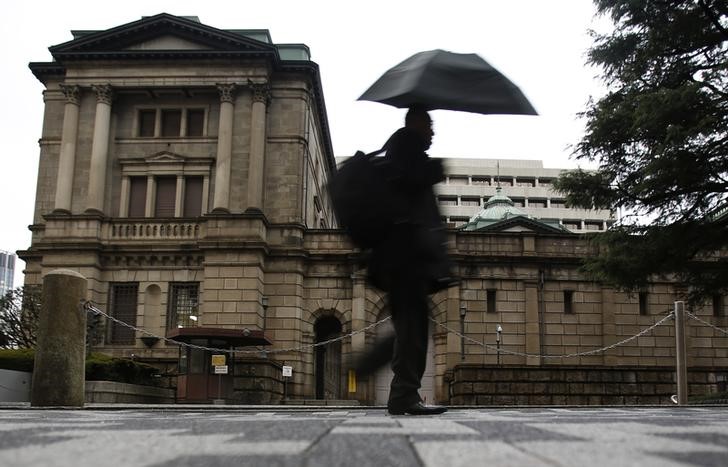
(470, 182)
(183, 172)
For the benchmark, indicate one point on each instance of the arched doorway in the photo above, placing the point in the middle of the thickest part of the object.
(328, 358)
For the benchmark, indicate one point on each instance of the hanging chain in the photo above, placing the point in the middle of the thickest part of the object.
(576, 354)
(706, 323)
(89, 307)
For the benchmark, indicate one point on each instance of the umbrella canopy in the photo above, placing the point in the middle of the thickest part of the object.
(438, 79)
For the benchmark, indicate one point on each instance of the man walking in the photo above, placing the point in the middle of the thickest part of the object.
(411, 262)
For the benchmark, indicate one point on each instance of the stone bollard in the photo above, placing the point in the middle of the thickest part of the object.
(59, 375)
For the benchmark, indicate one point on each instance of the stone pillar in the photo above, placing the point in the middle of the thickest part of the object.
(67, 157)
(151, 197)
(261, 96)
(99, 149)
(609, 328)
(533, 325)
(59, 373)
(358, 312)
(221, 201)
(179, 196)
(453, 322)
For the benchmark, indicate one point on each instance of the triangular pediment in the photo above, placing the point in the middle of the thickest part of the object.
(168, 42)
(162, 32)
(164, 157)
(520, 224)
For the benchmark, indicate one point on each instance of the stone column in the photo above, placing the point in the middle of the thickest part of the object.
(179, 196)
(67, 158)
(99, 149)
(221, 201)
(533, 325)
(358, 311)
(609, 328)
(59, 374)
(151, 196)
(261, 96)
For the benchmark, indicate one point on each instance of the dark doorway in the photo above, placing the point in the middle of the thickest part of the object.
(328, 358)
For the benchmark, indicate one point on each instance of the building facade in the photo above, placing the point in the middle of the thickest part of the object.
(7, 271)
(183, 172)
(470, 182)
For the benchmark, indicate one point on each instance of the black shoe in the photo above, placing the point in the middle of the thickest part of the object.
(418, 408)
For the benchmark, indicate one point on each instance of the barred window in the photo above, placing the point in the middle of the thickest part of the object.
(183, 306)
(490, 305)
(718, 305)
(568, 301)
(123, 306)
(643, 303)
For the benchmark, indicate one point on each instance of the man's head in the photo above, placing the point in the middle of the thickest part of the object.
(419, 120)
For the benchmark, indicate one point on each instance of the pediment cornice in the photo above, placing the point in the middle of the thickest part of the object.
(121, 40)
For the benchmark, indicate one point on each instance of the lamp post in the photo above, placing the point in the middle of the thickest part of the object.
(498, 331)
(463, 311)
(264, 303)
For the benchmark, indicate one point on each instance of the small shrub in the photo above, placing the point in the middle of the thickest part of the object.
(99, 367)
(17, 359)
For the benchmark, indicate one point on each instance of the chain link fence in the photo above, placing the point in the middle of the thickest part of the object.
(91, 308)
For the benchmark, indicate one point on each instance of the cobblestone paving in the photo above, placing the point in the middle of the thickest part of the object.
(580, 437)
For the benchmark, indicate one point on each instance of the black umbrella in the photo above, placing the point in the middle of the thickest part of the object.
(438, 79)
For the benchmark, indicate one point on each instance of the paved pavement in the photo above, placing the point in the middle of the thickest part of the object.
(237, 436)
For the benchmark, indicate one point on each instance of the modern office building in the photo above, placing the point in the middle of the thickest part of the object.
(7, 271)
(182, 172)
(471, 182)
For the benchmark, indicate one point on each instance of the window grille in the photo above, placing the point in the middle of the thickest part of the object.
(123, 306)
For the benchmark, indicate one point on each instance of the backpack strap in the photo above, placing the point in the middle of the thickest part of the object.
(377, 152)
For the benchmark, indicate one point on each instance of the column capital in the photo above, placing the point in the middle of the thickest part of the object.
(261, 91)
(72, 93)
(104, 93)
(227, 92)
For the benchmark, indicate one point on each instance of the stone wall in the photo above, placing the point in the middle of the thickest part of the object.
(111, 392)
(575, 385)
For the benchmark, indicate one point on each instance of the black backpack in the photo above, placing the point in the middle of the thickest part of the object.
(364, 201)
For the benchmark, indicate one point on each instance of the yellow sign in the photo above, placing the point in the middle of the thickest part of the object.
(218, 360)
(352, 381)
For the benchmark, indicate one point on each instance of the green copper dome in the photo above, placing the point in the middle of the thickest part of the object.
(498, 207)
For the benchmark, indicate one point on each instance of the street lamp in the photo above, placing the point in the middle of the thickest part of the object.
(463, 311)
(498, 331)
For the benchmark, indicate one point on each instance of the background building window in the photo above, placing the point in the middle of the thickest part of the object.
(458, 180)
(147, 121)
(536, 203)
(137, 196)
(718, 305)
(166, 194)
(468, 201)
(568, 301)
(195, 122)
(558, 203)
(644, 305)
(123, 306)
(193, 197)
(490, 302)
(527, 182)
(447, 201)
(480, 180)
(183, 307)
(171, 122)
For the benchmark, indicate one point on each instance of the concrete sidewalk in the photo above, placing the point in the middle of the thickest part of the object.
(276, 436)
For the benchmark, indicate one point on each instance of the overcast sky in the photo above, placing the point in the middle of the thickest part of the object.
(540, 45)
